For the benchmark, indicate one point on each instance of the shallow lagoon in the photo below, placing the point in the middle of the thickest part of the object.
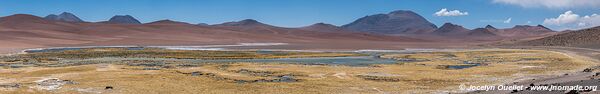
(372, 57)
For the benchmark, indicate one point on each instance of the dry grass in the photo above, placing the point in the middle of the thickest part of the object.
(417, 77)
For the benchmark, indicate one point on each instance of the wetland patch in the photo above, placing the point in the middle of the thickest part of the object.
(142, 70)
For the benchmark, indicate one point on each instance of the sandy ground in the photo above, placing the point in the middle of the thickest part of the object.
(564, 79)
(318, 78)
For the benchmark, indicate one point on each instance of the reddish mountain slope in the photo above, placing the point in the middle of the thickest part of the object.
(525, 31)
(589, 38)
(33, 30)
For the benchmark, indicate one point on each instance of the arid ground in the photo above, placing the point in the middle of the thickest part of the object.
(157, 70)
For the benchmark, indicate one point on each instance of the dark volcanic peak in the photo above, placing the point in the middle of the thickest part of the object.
(249, 21)
(483, 32)
(522, 26)
(246, 22)
(396, 22)
(450, 25)
(451, 28)
(529, 26)
(167, 21)
(323, 27)
(123, 19)
(202, 24)
(51, 17)
(65, 16)
(539, 25)
(490, 27)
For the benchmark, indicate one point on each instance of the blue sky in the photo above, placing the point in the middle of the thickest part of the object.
(297, 13)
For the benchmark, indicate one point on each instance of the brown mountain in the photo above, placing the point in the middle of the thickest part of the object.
(451, 29)
(397, 22)
(246, 22)
(19, 19)
(317, 31)
(30, 22)
(167, 22)
(323, 27)
(483, 32)
(252, 26)
(487, 32)
(26, 31)
(524, 31)
(33, 31)
(589, 38)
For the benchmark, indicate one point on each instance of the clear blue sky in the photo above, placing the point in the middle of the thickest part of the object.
(295, 13)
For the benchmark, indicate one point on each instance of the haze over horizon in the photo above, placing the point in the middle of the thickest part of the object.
(555, 14)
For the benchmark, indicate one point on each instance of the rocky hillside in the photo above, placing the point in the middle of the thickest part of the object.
(588, 38)
(525, 31)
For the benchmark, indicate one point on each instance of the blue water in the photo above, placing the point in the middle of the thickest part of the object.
(51, 50)
(462, 66)
(470, 64)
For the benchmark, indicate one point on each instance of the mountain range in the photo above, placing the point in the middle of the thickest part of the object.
(394, 23)
(392, 28)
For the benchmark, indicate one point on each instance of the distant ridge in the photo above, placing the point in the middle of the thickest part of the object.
(323, 27)
(202, 24)
(65, 16)
(21, 18)
(490, 27)
(449, 28)
(483, 32)
(122, 19)
(23, 21)
(167, 22)
(245, 22)
(525, 30)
